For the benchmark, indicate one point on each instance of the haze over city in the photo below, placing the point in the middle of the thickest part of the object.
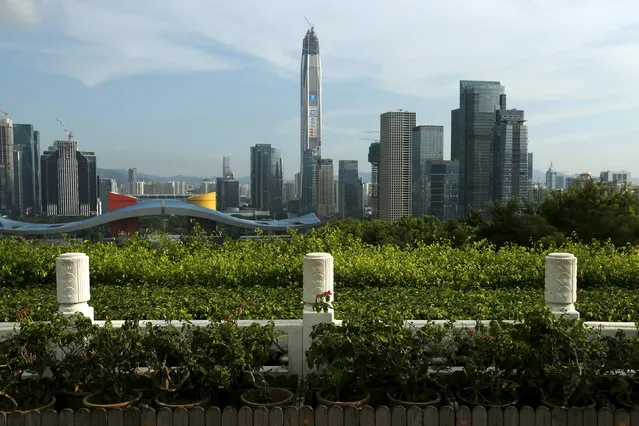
(171, 87)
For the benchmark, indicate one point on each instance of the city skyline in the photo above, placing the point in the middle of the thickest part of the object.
(233, 76)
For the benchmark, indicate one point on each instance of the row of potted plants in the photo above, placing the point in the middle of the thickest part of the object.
(93, 365)
(365, 360)
(541, 360)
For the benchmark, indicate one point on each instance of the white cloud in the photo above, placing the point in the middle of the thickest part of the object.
(19, 13)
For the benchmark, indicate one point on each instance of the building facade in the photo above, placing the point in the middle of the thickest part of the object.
(396, 130)
(6, 167)
(226, 166)
(227, 194)
(27, 140)
(440, 189)
(69, 180)
(105, 185)
(551, 178)
(349, 190)
(471, 142)
(325, 188)
(510, 155)
(310, 110)
(427, 145)
(373, 158)
(267, 179)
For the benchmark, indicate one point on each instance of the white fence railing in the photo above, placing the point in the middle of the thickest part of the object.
(73, 295)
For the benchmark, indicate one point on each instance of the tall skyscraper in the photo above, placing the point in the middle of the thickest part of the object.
(226, 166)
(530, 167)
(510, 155)
(311, 108)
(69, 180)
(325, 188)
(133, 181)
(106, 185)
(471, 142)
(6, 166)
(373, 158)
(267, 179)
(27, 140)
(440, 188)
(396, 134)
(308, 200)
(350, 190)
(428, 145)
(551, 178)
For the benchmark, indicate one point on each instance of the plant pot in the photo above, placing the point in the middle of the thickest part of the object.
(546, 400)
(469, 398)
(46, 406)
(278, 397)
(72, 400)
(433, 400)
(181, 401)
(358, 404)
(89, 401)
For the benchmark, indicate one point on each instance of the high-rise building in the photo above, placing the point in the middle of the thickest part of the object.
(428, 145)
(439, 188)
(373, 158)
(308, 200)
(349, 190)
(227, 194)
(530, 167)
(396, 133)
(69, 180)
(471, 142)
(551, 178)
(133, 179)
(267, 179)
(106, 185)
(207, 186)
(311, 109)
(226, 166)
(325, 188)
(288, 191)
(27, 140)
(6, 166)
(18, 181)
(616, 177)
(510, 155)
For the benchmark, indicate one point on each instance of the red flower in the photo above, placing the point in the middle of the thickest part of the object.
(227, 319)
(471, 332)
(490, 338)
(328, 293)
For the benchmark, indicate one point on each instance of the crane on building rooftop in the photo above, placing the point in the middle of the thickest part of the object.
(67, 131)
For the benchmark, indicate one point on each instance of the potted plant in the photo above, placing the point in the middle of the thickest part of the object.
(117, 355)
(170, 362)
(338, 376)
(563, 358)
(74, 367)
(488, 355)
(412, 353)
(25, 358)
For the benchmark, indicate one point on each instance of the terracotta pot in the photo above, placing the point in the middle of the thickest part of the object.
(280, 398)
(86, 401)
(468, 401)
(50, 404)
(436, 399)
(201, 402)
(358, 404)
(72, 400)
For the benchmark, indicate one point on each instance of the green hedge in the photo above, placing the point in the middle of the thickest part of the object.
(278, 263)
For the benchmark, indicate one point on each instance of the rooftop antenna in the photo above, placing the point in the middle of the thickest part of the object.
(309, 23)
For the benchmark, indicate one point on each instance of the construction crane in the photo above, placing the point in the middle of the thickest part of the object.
(369, 139)
(6, 114)
(67, 131)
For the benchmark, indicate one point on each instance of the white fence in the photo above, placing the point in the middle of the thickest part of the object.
(73, 295)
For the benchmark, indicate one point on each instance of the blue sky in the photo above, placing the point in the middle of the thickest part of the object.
(170, 87)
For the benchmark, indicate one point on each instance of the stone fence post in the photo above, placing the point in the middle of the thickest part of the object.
(318, 278)
(72, 281)
(561, 285)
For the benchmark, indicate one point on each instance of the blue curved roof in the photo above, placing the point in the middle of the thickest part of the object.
(155, 208)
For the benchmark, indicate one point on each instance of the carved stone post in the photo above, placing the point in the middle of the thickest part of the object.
(72, 280)
(318, 279)
(561, 284)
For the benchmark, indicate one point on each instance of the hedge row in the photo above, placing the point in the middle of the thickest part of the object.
(278, 263)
